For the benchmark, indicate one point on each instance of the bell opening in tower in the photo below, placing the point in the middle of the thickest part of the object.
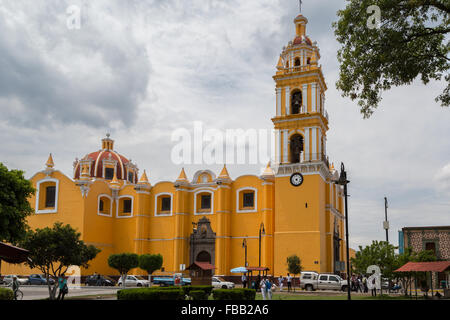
(296, 103)
(296, 144)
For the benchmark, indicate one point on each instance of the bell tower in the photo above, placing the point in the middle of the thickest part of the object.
(301, 121)
(302, 173)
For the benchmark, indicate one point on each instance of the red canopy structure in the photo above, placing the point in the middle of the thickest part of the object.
(436, 266)
(201, 273)
(12, 254)
(201, 265)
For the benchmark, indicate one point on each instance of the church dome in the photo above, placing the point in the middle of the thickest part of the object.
(106, 162)
(302, 39)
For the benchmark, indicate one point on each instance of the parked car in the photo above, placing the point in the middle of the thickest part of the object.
(39, 279)
(134, 281)
(170, 281)
(314, 281)
(308, 280)
(218, 282)
(9, 278)
(99, 280)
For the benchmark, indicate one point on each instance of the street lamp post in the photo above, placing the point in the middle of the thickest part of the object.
(343, 182)
(386, 222)
(261, 232)
(244, 245)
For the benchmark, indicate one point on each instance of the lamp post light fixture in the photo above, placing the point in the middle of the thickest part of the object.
(244, 245)
(343, 182)
(261, 232)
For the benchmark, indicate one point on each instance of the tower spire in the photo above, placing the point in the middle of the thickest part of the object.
(300, 5)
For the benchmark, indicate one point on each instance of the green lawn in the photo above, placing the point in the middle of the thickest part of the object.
(297, 296)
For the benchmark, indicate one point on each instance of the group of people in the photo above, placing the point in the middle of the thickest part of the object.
(267, 285)
(363, 283)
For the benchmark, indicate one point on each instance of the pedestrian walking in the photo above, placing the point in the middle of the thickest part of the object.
(262, 285)
(364, 282)
(244, 280)
(268, 288)
(63, 289)
(280, 282)
(289, 282)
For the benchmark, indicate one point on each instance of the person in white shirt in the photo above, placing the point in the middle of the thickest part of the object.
(244, 280)
(262, 285)
(289, 282)
(280, 282)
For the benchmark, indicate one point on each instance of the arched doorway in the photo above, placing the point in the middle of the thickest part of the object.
(203, 256)
(296, 102)
(296, 146)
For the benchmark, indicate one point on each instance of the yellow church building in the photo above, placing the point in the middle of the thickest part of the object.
(294, 207)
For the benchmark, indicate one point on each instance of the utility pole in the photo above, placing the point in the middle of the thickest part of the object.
(386, 222)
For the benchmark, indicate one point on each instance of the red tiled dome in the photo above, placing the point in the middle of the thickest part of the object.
(300, 40)
(97, 164)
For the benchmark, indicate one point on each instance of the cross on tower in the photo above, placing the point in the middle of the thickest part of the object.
(300, 3)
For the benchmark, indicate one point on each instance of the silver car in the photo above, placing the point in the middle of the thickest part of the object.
(9, 278)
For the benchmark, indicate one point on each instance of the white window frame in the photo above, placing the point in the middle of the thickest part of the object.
(156, 204)
(110, 207)
(255, 200)
(117, 207)
(38, 187)
(195, 201)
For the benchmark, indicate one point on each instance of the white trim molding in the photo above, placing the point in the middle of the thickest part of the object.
(111, 201)
(156, 204)
(195, 201)
(117, 207)
(255, 200)
(38, 188)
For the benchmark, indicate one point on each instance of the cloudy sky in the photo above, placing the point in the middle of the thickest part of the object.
(141, 69)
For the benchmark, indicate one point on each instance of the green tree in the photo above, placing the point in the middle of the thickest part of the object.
(150, 263)
(410, 41)
(14, 206)
(294, 265)
(123, 262)
(379, 253)
(54, 250)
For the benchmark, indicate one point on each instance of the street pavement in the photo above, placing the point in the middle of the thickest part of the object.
(41, 292)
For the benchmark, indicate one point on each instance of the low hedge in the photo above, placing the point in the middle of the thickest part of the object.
(6, 294)
(198, 295)
(206, 289)
(234, 294)
(151, 294)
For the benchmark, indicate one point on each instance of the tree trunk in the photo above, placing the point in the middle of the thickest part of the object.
(149, 280)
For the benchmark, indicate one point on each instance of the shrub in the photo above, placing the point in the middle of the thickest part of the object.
(198, 295)
(206, 289)
(6, 294)
(150, 294)
(234, 294)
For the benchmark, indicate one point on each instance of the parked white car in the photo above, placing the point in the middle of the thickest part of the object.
(310, 281)
(220, 283)
(134, 281)
(9, 278)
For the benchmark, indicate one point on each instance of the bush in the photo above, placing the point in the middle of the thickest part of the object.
(150, 294)
(6, 294)
(234, 294)
(198, 295)
(206, 289)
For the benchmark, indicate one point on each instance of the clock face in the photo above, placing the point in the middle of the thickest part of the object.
(296, 179)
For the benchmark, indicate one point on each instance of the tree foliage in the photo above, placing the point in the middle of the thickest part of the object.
(379, 253)
(411, 41)
(123, 262)
(294, 264)
(14, 206)
(150, 262)
(54, 250)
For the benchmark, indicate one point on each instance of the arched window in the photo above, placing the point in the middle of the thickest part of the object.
(287, 64)
(297, 62)
(308, 61)
(104, 205)
(246, 200)
(296, 102)
(296, 146)
(163, 204)
(47, 196)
